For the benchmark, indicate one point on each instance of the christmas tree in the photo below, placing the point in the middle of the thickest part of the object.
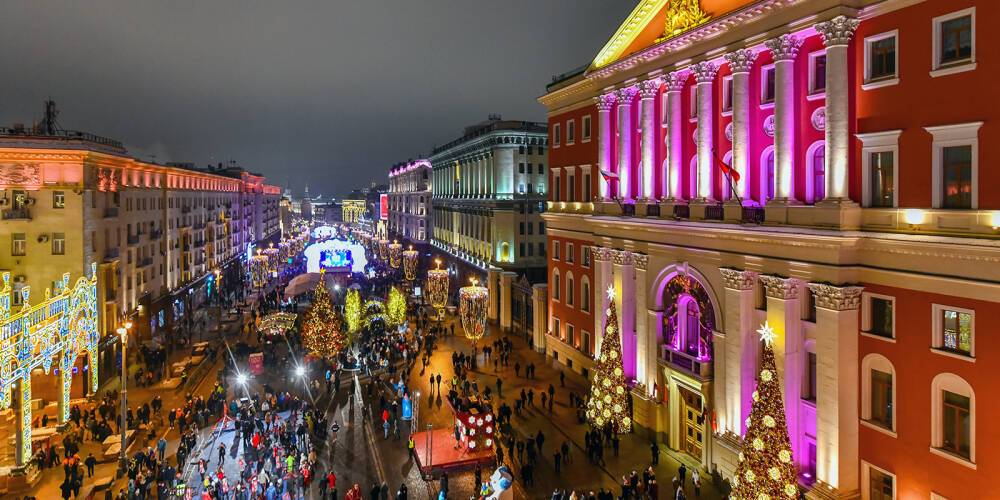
(766, 469)
(352, 311)
(321, 333)
(396, 307)
(608, 405)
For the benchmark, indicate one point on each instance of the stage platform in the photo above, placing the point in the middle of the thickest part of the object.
(444, 456)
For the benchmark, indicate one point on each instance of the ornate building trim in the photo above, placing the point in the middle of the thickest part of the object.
(784, 47)
(674, 81)
(626, 95)
(741, 61)
(837, 31)
(602, 254)
(836, 298)
(780, 288)
(622, 258)
(641, 261)
(737, 279)
(705, 71)
(649, 88)
(605, 102)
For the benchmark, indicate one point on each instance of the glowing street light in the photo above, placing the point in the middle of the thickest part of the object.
(300, 371)
(241, 379)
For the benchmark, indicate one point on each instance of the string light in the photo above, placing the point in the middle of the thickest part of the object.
(608, 405)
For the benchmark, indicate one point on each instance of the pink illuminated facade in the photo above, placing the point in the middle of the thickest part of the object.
(410, 201)
(781, 163)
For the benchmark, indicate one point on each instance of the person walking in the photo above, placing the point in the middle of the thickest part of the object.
(696, 482)
(654, 451)
(90, 462)
(681, 474)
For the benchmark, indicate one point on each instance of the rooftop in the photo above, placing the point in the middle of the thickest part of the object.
(492, 124)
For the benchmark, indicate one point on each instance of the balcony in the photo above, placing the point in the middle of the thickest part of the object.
(682, 212)
(155, 234)
(111, 254)
(714, 212)
(148, 261)
(133, 239)
(110, 212)
(652, 210)
(21, 213)
(701, 368)
(752, 215)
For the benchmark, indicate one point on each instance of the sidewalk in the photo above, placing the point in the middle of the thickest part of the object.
(560, 425)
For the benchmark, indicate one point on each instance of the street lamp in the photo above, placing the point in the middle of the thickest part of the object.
(122, 457)
(300, 371)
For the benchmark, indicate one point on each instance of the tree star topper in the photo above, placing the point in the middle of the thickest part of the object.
(767, 333)
(611, 292)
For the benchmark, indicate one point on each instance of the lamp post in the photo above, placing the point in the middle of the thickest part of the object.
(122, 457)
(218, 301)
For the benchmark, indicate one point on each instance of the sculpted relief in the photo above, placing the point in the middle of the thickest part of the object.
(20, 175)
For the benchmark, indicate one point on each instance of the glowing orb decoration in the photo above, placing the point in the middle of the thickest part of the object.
(333, 251)
(437, 288)
(395, 254)
(473, 302)
(410, 259)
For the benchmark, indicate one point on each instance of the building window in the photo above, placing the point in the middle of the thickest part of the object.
(767, 84)
(881, 399)
(956, 417)
(956, 171)
(555, 250)
(879, 155)
(520, 168)
(18, 246)
(58, 243)
(556, 132)
(954, 330)
(585, 125)
(694, 101)
(817, 164)
(570, 335)
(767, 171)
(556, 286)
(878, 315)
(727, 94)
(521, 228)
(954, 42)
(521, 249)
(570, 296)
(953, 425)
(586, 256)
(881, 60)
(585, 296)
(571, 187)
(58, 199)
(810, 388)
(541, 249)
(570, 131)
(881, 485)
(586, 187)
(556, 327)
(570, 257)
(541, 228)
(817, 73)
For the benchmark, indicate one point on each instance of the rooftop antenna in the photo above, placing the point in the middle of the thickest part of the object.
(49, 126)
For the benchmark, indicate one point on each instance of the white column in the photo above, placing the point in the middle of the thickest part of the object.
(837, 385)
(648, 91)
(645, 339)
(836, 35)
(624, 276)
(740, 63)
(784, 49)
(540, 315)
(704, 73)
(506, 282)
(673, 121)
(604, 103)
(740, 351)
(493, 286)
(784, 316)
(602, 280)
(626, 132)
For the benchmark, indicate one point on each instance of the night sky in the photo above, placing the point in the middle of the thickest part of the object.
(327, 92)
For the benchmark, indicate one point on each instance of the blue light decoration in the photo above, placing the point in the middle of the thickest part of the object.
(316, 252)
(333, 259)
(407, 407)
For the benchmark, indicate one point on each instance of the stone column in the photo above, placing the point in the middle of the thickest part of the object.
(784, 316)
(503, 169)
(645, 347)
(602, 280)
(734, 391)
(673, 121)
(837, 384)
(837, 33)
(648, 91)
(704, 73)
(740, 63)
(493, 285)
(604, 104)
(540, 315)
(506, 282)
(784, 49)
(624, 276)
(626, 132)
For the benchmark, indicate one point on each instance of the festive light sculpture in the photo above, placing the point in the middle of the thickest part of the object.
(352, 311)
(766, 468)
(396, 307)
(410, 259)
(437, 288)
(608, 405)
(259, 270)
(383, 249)
(321, 332)
(272, 258)
(395, 254)
(473, 302)
(277, 323)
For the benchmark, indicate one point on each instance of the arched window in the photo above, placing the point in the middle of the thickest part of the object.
(688, 317)
(816, 163)
(556, 285)
(953, 418)
(767, 179)
(585, 294)
(878, 393)
(688, 325)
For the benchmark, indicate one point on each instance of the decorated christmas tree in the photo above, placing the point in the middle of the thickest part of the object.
(321, 332)
(766, 469)
(396, 307)
(352, 311)
(608, 404)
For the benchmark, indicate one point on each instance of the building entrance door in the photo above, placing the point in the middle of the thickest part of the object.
(692, 435)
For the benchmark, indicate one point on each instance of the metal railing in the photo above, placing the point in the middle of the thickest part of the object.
(133, 239)
(752, 215)
(652, 210)
(111, 253)
(21, 213)
(110, 212)
(714, 212)
(682, 211)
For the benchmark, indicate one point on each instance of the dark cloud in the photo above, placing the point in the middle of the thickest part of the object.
(329, 92)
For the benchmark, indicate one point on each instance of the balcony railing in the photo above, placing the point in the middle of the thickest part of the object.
(682, 211)
(17, 214)
(111, 253)
(155, 234)
(753, 215)
(628, 210)
(110, 212)
(700, 367)
(148, 261)
(652, 210)
(133, 239)
(714, 212)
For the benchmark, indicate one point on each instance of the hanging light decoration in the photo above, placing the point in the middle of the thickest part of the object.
(395, 254)
(272, 258)
(473, 302)
(437, 288)
(258, 270)
(284, 250)
(383, 249)
(410, 259)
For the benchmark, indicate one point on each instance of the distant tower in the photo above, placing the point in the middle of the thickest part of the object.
(307, 209)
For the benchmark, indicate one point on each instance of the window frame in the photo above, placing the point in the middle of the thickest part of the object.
(866, 320)
(944, 136)
(866, 468)
(570, 258)
(727, 95)
(937, 331)
(586, 128)
(885, 81)
(62, 250)
(878, 142)
(693, 103)
(873, 362)
(938, 69)
(56, 195)
(556, 285)
(953, 383)
(764, 102)
(555, 250)
(570, 131)
(16, 237)
(556, 135)
(813, 93)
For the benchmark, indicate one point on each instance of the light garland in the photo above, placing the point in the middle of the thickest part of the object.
(410, 260)
(608, 405)
(765, 468)
(352, 311)
(473, 303)
(395, 254)
(437, 288)
(277, 323)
